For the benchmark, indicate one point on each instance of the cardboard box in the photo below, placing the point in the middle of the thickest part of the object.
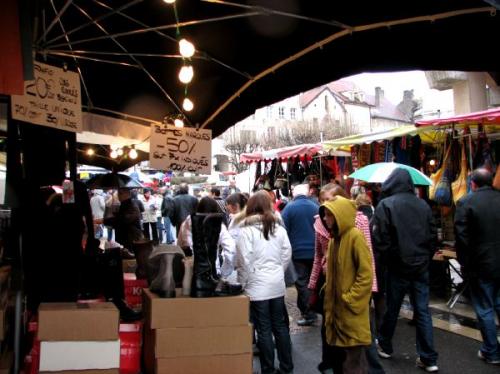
(202, 341)
(129, 266)
(62, 356)
(78, 322)
(104, 371)
(195, 312)
(222, 364)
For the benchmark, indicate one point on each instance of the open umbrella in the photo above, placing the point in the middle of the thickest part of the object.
(380, 171)
(112, 180)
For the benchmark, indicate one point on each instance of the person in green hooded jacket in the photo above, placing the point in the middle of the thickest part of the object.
(347, 288)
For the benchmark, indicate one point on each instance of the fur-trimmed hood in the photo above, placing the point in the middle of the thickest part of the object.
(255, 220)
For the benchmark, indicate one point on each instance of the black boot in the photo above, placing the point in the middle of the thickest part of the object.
(163, 283)
(127, 314)
(205, 229)
(211, 231)
(113, 287)
(142, 250)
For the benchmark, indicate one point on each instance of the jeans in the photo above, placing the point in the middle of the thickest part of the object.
(418, 287)
(167, 225)
(154, 232)
(268, 317)
(159, 228)
(486, 302)
(374, 366)
(303, 269)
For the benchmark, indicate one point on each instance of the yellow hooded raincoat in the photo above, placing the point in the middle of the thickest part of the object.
(348, 280)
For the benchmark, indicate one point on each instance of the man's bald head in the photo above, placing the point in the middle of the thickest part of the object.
(482, 177)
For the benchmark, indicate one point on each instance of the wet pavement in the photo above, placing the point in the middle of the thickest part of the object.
(457, 353)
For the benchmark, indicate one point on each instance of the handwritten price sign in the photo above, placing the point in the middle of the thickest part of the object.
(52, 99)
(180, 149)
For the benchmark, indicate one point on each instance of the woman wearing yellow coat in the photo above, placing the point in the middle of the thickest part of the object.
(347, 289)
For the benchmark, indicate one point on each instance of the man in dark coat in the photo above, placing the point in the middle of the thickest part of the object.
(404, 238)
(127, 223)
(184, 205)
(477, 234)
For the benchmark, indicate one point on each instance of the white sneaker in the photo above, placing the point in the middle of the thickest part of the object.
(429, 369)
(381, 353)
(481, 357)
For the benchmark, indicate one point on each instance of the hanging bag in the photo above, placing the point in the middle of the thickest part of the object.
(440, 191)
(459, 186)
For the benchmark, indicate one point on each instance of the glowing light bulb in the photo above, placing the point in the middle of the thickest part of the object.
(90, 152)
(432, 162)
(178, 122)
(186, 74)
(132, 154)
(187, 105)
(345, 177)
(119, 152)
(169, 1)
(113, 154)
(186, 48)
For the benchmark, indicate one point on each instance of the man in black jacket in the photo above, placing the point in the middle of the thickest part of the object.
(477, 234)
(184, 205)
(404, 238)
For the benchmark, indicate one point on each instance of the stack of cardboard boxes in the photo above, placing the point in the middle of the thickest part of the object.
(197, 335)
(79, 337)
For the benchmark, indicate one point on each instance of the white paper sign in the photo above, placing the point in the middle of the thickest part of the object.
(180, 149)
(52, 99)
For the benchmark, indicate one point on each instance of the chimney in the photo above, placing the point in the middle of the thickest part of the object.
(407, 95)
(379, 95)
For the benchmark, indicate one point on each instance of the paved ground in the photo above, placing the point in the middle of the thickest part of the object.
(457, 354)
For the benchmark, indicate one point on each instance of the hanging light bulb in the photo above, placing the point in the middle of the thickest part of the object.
(187, 105)
(132, 154)
(90, 152)
(169, 1)
(186, 48)
(186, 74)
(432, 162)
(345, 177)
(113, 154)
(178, 122)
(119, 151)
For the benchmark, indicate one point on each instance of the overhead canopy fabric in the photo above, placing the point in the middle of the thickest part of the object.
(249, 54)
(346, 143)
(486, 117)
(282, 153)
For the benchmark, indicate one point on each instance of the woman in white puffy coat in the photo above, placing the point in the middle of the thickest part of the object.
(263, 252)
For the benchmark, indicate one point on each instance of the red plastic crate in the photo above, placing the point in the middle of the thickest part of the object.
(133, 286)
(130, 347)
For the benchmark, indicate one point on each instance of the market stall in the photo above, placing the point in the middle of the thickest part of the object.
(279, 169)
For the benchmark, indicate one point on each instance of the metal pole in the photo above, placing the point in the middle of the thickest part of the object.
(164, 27)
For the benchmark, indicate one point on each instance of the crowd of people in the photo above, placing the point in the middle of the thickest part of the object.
(351, 262)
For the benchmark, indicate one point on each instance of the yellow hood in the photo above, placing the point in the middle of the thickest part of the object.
(343, 210)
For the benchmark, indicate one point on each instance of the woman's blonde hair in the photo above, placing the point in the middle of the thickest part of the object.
(335, 189)
(363, 199)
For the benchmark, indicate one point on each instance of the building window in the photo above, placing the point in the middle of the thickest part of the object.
(326, 104)
(269, 112)
(281, 112)
(292, 113)
(271, 133)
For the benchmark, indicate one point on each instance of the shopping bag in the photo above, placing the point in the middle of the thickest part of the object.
(438, 176)
(459, 186)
